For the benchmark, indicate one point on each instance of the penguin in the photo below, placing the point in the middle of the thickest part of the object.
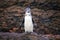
(28, 23)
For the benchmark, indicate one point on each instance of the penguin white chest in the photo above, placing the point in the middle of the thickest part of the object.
(28, 24)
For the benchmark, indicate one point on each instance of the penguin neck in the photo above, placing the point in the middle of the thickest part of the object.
(28, 14)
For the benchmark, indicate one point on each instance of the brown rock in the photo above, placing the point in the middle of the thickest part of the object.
(5, 3)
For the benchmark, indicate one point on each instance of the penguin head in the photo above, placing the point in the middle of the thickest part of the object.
(27, 11)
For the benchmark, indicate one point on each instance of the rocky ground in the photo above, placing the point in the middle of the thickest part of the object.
(27, 36)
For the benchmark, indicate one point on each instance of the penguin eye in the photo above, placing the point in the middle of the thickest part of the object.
(28, 11)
